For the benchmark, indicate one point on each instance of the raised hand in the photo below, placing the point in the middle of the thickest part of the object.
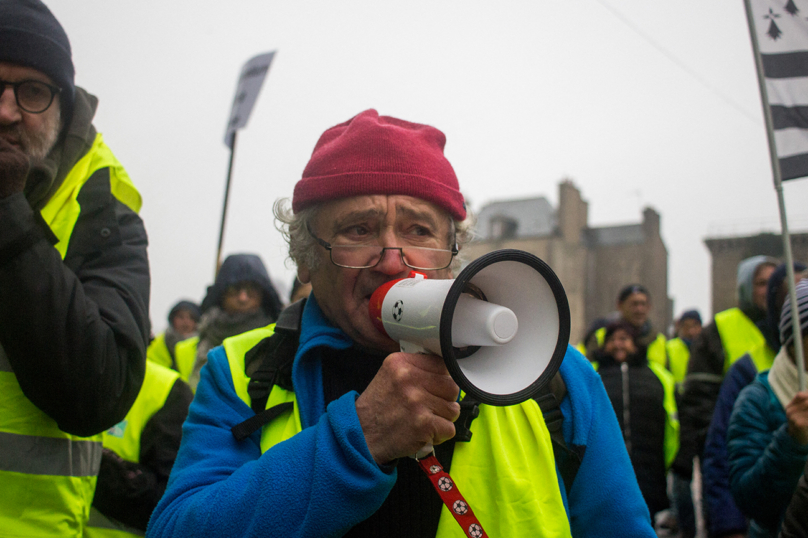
(13, 169)
(410, 403)
(797, 415)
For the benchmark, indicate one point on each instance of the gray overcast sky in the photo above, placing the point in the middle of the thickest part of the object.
(639, 103)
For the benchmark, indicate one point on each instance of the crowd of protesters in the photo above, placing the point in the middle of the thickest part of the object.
(253, 415)
(733, 386)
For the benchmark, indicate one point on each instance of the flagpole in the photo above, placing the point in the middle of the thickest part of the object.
(224, 206)
(778, 187)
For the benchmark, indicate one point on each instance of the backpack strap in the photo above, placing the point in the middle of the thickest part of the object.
(567, 459)
(269, 363)
(549, 400)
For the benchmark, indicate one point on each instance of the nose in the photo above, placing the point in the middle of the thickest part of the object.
(9, 111)
(243, 295)
(391, 263)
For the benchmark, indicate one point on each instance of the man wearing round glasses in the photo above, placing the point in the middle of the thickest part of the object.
(75, 282)
(303, 428)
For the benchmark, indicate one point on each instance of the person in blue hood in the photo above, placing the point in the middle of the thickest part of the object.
(325, 454)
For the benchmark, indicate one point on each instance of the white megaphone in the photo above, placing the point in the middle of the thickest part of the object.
(502, 326)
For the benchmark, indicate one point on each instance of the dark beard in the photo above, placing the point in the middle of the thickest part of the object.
(36, 145)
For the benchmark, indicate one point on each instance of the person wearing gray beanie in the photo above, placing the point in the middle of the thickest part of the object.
(74, 304)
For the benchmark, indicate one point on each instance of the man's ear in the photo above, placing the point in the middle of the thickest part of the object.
(303, 274)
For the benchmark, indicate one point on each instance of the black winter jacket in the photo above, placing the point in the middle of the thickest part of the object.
(795, 524)
(644, 432)
(705, 372)
(75, 331)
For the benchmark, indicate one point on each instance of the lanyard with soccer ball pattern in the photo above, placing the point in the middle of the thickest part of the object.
(451, 497)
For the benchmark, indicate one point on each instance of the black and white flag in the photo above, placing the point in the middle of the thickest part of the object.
(781, 27)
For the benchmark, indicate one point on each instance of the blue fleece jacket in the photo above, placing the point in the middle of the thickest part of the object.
(323, 481)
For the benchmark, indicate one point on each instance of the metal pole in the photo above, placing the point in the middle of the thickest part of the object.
(778, 187)
(224, 207)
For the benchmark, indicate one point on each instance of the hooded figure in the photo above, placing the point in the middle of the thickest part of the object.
(241, 299)
(729, 336)
(715, 464)
(748, 270)
(767, 438)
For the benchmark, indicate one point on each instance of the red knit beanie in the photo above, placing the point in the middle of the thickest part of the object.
(372, 154)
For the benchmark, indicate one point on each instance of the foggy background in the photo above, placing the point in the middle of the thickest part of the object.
(638, 103)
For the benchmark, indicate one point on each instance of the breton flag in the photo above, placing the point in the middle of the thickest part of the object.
(781, 31)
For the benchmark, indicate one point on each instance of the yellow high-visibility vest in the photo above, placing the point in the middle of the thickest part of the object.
(124, 440)
(671, 442)
(678, 357)
(739, 336)
(481, 467)
(47, 476)
(158, 351)
(185, 357)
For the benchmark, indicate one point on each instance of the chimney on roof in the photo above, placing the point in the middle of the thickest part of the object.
(572, 212)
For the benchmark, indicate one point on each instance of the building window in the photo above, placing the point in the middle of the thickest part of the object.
(503, 228)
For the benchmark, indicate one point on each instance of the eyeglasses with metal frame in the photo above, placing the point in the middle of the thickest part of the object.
(32, 96)
(367, 256)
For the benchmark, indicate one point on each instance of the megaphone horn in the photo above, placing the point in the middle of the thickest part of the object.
(502, 326)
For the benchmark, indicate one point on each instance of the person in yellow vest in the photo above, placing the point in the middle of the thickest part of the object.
(327, 455)
(688, 327)
(726, 518)
(75, 282)
(182, 325)
(138, 455)
(643, 395)
(732, 334)
(634, 304)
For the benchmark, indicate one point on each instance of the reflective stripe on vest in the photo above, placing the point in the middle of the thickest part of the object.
(185, 357)
(656, 349)
(739, 336)
(671, 443)
(679, 356)
(47, 476)
(124, 440)
(514, 491)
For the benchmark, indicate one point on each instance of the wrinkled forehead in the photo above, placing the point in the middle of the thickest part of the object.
(381, 208)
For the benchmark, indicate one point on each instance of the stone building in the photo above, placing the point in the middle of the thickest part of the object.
(592, 263)
(727, 253)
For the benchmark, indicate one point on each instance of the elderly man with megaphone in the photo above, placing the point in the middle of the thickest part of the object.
(306, 427)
